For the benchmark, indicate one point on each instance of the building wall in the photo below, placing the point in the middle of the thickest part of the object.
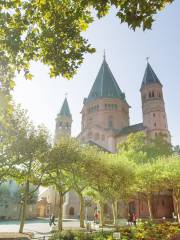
(153, 108)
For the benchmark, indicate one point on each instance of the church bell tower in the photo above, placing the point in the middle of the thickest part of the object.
(153, 107)
(63, 121)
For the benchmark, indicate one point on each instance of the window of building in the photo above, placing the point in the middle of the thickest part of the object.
(96, 136)
(163, 202)
(149, 94)
(142, 207)
(90, 134)
(110, 122)
(105, 208)
(154, 124)
(152, 93)
(154, 114)
(71, 211)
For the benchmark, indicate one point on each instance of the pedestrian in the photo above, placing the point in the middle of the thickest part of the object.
(134, 219)
(96, 216)
(52, 220)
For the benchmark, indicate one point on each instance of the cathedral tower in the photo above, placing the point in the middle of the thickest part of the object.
(154, 114)
(63, 121)
(105, 110)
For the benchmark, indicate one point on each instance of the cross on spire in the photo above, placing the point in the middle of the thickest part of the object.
(147, 59)
(104, 56)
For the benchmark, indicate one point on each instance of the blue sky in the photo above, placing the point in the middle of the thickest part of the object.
(126, 53)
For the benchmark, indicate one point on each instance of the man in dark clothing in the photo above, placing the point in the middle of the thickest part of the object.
(52, 220)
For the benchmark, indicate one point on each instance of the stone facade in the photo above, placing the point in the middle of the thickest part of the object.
(105, 123)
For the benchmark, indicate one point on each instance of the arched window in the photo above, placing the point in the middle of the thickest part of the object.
(110, 122)
(71, 211)
(105, 208)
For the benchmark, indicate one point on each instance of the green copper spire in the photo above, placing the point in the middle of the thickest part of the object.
(65, 109)
(105, 85)
(149, 77)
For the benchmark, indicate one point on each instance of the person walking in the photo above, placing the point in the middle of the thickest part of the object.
(52, 220)
(134, 218)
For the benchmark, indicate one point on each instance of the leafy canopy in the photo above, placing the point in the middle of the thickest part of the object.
(51, 31)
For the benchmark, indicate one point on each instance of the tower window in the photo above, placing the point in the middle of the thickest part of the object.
(152, 93)
(110, 122)
(149, 94)
(154, 124)
(71, 211)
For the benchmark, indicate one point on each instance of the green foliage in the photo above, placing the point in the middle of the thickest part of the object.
(79, 235)
(143, 231)
(142, 149)
(51, 31)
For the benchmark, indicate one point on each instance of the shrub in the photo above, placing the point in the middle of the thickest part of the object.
(143, 231)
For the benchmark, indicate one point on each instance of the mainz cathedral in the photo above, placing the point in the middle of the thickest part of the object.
(105, 123)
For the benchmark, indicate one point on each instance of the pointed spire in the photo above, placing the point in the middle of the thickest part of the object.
(104, 56)
(149, 76)
(65, 109)
(105, 85)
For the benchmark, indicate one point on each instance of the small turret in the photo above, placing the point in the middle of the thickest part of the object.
(63, 121)
(154, 114)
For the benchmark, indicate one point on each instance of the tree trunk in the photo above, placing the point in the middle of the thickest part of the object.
(178, 209)
(101, 220)
(60, 212)
(150, 206)
(176, 197)
(114, 210)
(23, 208)
(82, 207)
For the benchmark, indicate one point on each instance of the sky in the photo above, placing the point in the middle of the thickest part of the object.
(126, 53)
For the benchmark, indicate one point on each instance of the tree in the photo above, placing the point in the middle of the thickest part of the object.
(28, 146)
(81, 162)
(97, 177)
(142, 149)
(149, 181)
(51, 31)
(176, 150)
(58, 164)
(171, 179)
(121, 181)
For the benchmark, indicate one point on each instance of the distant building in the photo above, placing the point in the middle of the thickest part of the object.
(105, 123)
(10, 202)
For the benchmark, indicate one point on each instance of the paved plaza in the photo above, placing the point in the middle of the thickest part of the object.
(39, 226)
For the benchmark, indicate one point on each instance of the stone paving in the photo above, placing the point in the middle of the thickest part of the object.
(39, 226)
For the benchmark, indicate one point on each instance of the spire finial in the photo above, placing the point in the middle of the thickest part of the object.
(147, 59)
(104, 56)
(66, 94)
